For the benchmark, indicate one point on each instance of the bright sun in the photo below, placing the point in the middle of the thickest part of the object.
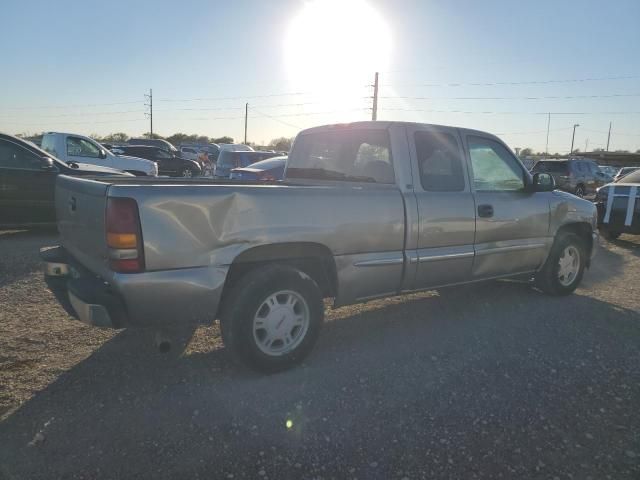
(333, 47)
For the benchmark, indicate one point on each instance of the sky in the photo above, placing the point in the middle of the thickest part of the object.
(499, 66)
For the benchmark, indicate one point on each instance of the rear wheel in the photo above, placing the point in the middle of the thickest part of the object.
(563, 270)
(272, 318)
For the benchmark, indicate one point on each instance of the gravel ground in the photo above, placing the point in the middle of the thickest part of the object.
(490, 381)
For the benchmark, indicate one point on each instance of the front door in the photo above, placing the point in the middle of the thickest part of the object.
(83, 151)
(446, 209)
(512, 223)
(26, 186)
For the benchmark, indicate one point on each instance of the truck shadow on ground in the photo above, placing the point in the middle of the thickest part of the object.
(479, 345)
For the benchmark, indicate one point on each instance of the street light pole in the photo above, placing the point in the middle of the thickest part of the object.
(573, 137)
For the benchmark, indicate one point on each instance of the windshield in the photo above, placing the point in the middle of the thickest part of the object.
(630, 176)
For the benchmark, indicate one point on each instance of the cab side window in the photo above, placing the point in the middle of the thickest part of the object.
(494, 167)
(439, 161)
(13, 156)
(79, 147)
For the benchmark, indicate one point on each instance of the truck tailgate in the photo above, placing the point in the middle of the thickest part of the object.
(80, 213)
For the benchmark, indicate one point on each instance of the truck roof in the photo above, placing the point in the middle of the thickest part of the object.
(387, 124)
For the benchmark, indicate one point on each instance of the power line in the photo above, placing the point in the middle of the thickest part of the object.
(79, 114)
(528, 82)
(278, 120)
(550, 97)
(510, 113)
(42, 107)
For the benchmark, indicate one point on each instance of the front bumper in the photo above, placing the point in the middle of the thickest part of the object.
(170, 298)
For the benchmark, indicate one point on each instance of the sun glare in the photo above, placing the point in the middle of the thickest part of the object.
(333, 48)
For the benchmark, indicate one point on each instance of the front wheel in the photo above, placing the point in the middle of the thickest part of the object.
(272, 318)
(579, 191)
(563, 270)
(186, 173)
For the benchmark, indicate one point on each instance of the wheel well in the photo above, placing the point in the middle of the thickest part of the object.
(582, 230)
(314, 259)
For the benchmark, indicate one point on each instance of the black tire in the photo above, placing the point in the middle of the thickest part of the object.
(547, 278)
(580, 191)
(243, 304)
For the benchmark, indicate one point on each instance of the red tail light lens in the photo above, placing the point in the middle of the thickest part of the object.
(124, 235)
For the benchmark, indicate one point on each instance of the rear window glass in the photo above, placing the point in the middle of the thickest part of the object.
(227, 158)
(551, 167)
(353, 155)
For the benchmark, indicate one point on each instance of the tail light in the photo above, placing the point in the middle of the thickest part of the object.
(266, 177)
(124, 235)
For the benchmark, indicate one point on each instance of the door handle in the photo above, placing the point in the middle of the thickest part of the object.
(485, 211)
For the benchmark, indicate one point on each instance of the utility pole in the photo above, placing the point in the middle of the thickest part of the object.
(246, 115)
(573, 137)
(586, 145)
(609, 136)
(546, 147)
(150, 113)
(374, 113)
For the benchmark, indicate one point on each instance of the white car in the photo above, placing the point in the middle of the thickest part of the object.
(73, 148)
(190, 153)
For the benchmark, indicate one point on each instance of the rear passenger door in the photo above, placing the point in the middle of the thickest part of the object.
(446, 209)
(512, 223)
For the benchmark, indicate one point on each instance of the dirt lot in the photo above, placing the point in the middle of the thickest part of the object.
(490, 381)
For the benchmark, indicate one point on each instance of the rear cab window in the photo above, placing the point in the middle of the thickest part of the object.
(343, 155)
(439, 161)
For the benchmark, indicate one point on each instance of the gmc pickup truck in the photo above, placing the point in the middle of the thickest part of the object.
(366, 210)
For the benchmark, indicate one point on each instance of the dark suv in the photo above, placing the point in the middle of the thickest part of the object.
(169, 163)
(579, 176)
(229, 160)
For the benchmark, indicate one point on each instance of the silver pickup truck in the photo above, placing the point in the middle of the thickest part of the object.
(367, 210)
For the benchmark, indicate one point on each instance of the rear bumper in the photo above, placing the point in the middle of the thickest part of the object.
(151, 299)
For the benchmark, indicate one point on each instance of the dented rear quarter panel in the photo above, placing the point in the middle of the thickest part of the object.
(210, 225)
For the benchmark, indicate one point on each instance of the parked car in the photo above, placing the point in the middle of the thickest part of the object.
(609, 170)
(71, 147)
(369, 209)
(266, 170)
(623, 172)
(619, 206)
(579, 176)
(168, 163)
(190, 153)
(235, 147)
(27, 181)
(153, 142)
(230, 159)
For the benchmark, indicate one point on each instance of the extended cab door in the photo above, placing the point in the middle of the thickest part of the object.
(26, 186)
(512, 222)
(446, 210)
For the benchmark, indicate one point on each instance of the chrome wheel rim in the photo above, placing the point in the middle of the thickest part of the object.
(187, 173)
(568, 265)
(281, 323)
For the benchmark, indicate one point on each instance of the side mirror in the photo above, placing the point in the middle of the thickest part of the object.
(543, 182)
(48, 164)
(102, 155)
